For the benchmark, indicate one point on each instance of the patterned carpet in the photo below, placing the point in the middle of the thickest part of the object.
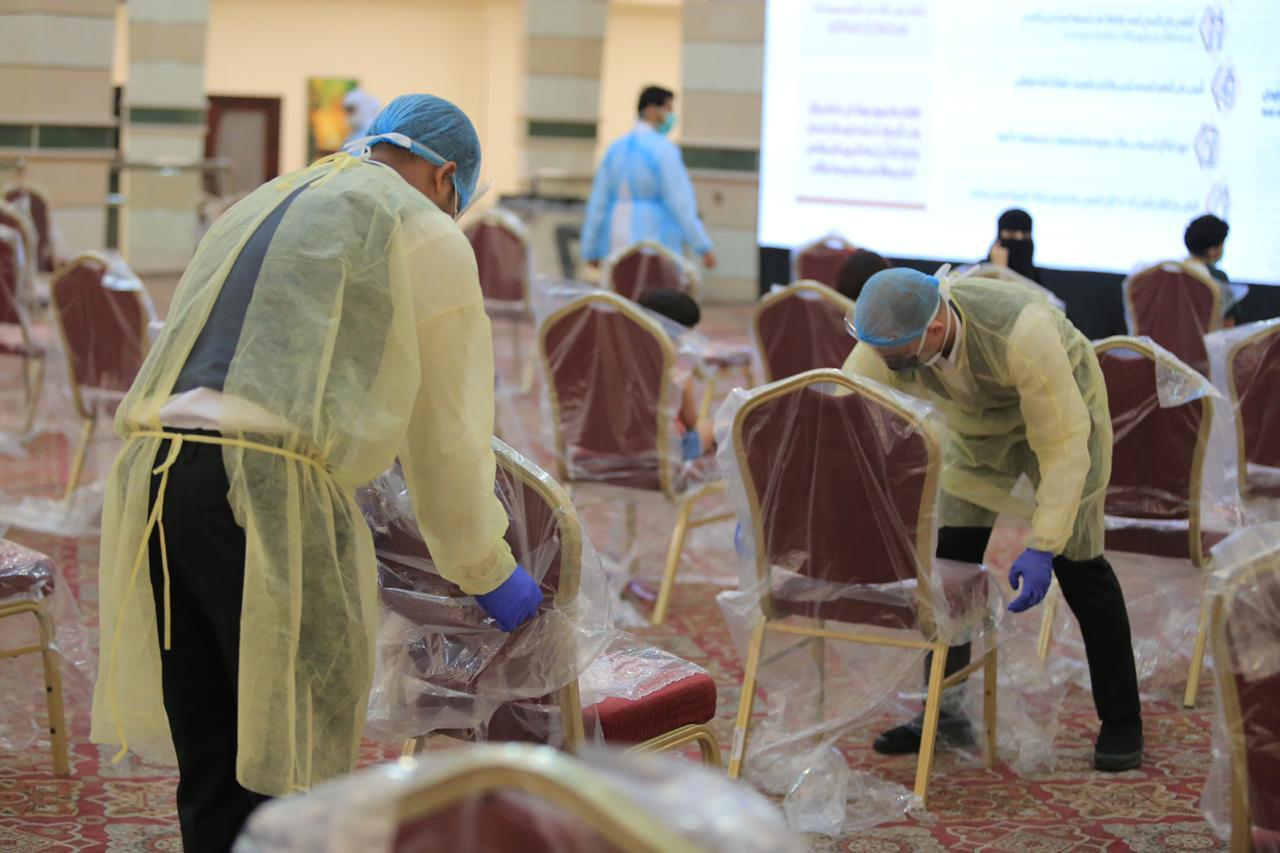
(129, 806)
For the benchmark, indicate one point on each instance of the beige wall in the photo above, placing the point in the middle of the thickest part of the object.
(641, 46)
(469, 51)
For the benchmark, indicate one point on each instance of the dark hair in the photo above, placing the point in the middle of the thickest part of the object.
(654, 96)
(856, 269)
(1204, 233)
(672, 304)
(1014, 219)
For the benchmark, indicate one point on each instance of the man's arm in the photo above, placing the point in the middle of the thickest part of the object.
(1058, 425)
(447, 458)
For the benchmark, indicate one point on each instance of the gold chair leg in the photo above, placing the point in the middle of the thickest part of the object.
(818, 650)
(33, 385)
(632, 525)
(1046, 622)
(77, 464)
(412, 747)
(929, 734)
(53, 692)
(741, 729)
(710, 748)
(708, 394)
(748, 376)
(1197, 658)
(673, 559)
(990, 702)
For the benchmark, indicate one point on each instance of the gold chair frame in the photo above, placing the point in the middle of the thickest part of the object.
(33, 357)
(568, 697)
(686, 503)
(824, 240)
(552, 778)
(793, 291)
(1242, 461)
(1195, 542)
(88, 414)
(497, 217)
(31, 253)
(1215, 321)
(932, 640)
(682, 263)
(52, 675)
(1233, 722)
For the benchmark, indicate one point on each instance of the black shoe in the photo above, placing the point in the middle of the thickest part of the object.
(1119, 747)
(953, 731)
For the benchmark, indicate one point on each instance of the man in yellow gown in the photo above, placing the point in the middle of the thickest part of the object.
(1022, 394)
(329, 322)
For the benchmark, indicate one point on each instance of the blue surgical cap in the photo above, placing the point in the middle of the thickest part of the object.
(895, 307)
(439, 133)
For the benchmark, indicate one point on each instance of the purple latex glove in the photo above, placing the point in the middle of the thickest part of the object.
(1036, 568)
(514, 601)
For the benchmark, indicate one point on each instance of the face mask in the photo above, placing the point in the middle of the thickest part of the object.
(911, 362)
(1020, 252)
(668, 122)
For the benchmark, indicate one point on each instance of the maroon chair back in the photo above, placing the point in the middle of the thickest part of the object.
(801, 328)
(1175, 309)
(1253, 375)
(1156, 459)
(608, 371)
(502, 258)
(839, 484)
(643, 268)
(500, 822)
(105, 329)
(821, 261)
(37, 208)
(1250, 634)
(10, 274)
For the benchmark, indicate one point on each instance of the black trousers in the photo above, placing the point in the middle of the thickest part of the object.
(206, 549)
(1093, 594)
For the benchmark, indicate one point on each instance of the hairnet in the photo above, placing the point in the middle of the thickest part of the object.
(895, 307)
(1204, 233)
(1014, 219)
(439, 133)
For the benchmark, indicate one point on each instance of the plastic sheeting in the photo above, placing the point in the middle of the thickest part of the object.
(633, 270)
(836, 492)
(530, 799)
(1241, 799)
(442, 663)
(30, 575)
(999, 273)
(1244, 364)
(801, 327)
(1176, 304)
(107, 317)
(614, 379)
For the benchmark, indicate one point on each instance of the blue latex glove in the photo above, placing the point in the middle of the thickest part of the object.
(514, 602)
(1036, 568)
(738, 544)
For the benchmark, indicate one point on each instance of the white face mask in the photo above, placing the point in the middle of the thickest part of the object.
(937, 356)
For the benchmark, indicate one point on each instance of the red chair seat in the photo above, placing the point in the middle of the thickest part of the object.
(688, 702)
(23, 571)
(964, 585)
(1159, 542)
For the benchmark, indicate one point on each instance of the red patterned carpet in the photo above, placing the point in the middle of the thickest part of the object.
(129, 806)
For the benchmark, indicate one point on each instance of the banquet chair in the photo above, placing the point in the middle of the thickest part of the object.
(503, 259)
(16, 331)
(12, 216)
(1157, 465)
(801, 327)
(26, 581)
(1176, 306)
(1253, 379)
(544, 530)
(104, 326)
(820, 260)
(613, 401)
(1245, 627)
(35, 203)
(648, 265)
(841, 488)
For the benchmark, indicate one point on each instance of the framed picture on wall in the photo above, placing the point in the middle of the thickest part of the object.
(327, 126)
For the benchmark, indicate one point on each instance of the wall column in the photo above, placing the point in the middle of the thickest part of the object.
(56, 109)
(722, 72)
(562, 108)
(163, 119)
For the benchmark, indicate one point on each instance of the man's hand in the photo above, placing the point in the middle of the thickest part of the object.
(595, 265)
(514, 602)
(999, 255)
(709, 260)
(1033, 571)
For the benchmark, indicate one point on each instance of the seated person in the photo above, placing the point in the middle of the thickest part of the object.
(1204, 239)
(697, 433)
(1013, 247)
(855, 271)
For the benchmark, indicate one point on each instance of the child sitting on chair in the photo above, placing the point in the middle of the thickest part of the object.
(697, 434)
